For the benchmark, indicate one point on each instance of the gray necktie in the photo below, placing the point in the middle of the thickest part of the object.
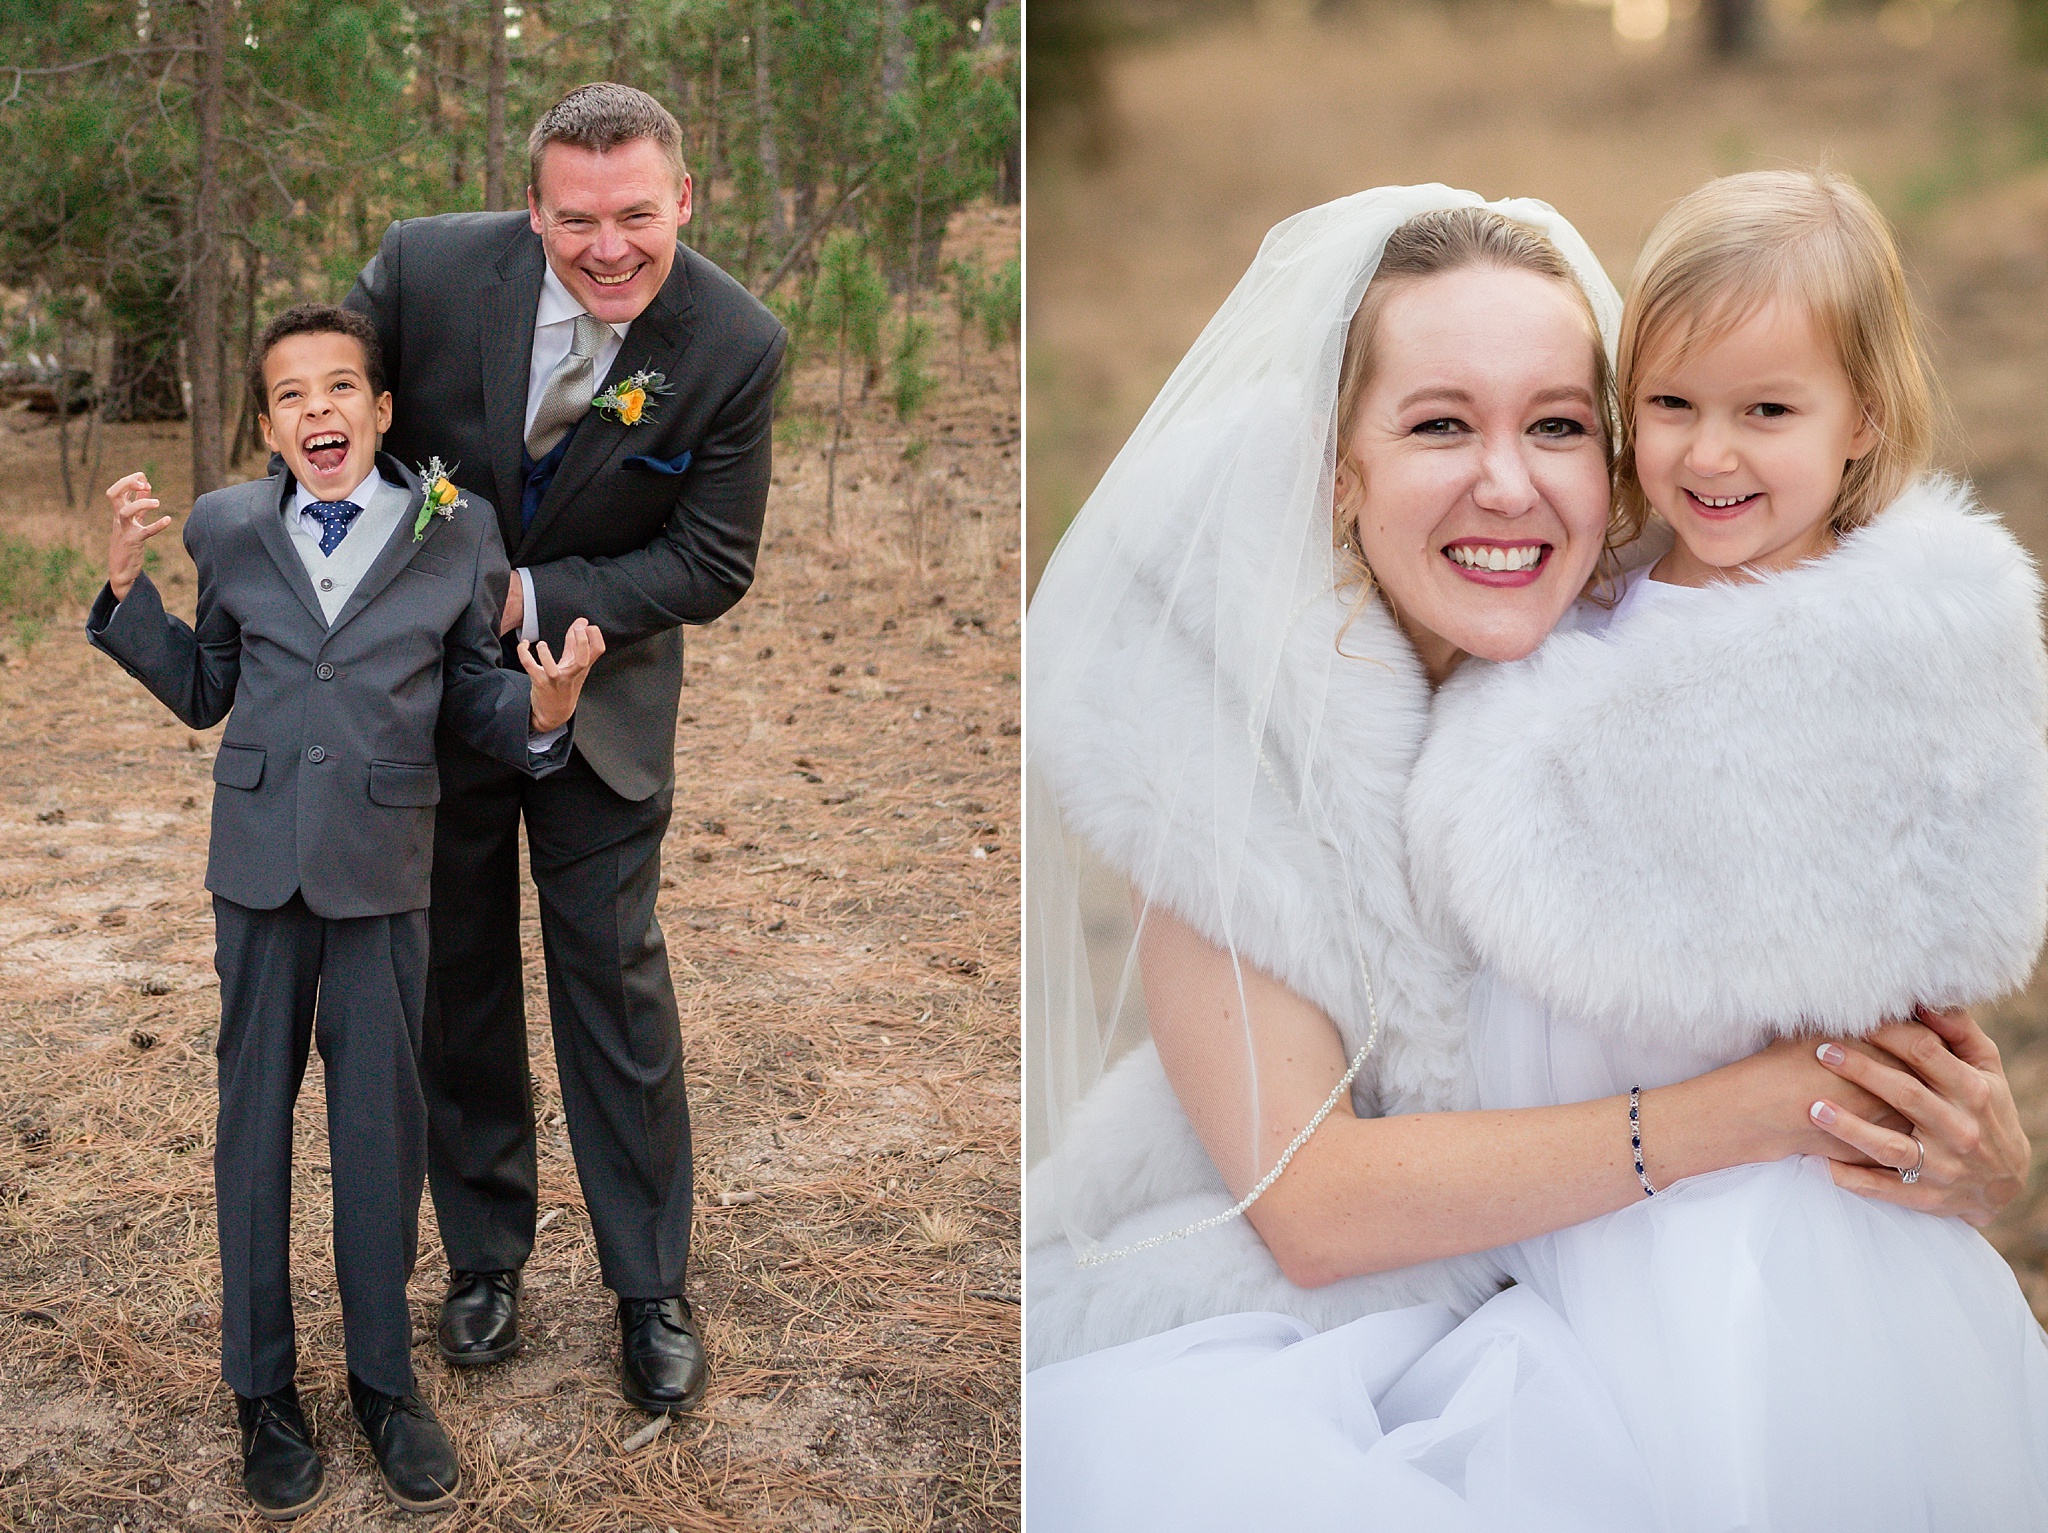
(567, 396)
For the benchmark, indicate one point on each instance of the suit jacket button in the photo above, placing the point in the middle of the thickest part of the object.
(316, 755)
(324, 671)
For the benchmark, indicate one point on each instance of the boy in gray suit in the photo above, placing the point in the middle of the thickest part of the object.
(346, 607)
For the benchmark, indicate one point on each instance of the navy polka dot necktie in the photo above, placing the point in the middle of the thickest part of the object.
(335, 518)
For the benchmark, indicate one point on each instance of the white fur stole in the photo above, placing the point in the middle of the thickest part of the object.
(1138, 768)
(1802, 804)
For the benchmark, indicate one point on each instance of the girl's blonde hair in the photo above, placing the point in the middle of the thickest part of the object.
(1433, 245)
(1808, 237)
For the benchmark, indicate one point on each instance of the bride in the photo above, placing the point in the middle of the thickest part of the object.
(1224, 721)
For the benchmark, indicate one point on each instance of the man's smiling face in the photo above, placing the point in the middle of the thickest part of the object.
(322, 418)
(609, 222)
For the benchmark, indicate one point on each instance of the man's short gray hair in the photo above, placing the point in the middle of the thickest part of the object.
(600, 117)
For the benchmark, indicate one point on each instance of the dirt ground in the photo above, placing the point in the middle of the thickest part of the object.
(1210, 135)
(840, 898)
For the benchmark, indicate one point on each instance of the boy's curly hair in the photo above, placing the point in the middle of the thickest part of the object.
(315, 319)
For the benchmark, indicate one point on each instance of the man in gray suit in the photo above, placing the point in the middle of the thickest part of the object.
(344, 609)
(610, 391)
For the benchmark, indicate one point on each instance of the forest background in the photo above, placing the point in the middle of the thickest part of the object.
(181, 169)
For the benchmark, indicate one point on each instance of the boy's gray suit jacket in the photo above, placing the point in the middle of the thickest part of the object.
(645, 527)
(325, 781)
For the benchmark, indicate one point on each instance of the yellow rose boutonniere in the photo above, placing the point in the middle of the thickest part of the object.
(627, 401)
(440, 498)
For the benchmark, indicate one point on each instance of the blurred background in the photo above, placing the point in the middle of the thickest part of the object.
(1168, 135)
(1166, 138)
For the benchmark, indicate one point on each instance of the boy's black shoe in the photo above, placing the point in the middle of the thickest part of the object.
(280, 1470)
(414, 1456)
(661, 1359)
(479, 1318)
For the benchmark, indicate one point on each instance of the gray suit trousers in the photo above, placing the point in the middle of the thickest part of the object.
(357, 988)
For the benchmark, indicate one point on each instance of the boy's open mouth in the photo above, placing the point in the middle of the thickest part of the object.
(1497, 564)
(326, 451)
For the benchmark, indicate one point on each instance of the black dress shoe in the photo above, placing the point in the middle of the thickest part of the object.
(414, 1456)
(280, 1470)
(480, 1318)
(661, 1359)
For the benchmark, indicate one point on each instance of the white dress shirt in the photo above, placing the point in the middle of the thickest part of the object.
(554, 331)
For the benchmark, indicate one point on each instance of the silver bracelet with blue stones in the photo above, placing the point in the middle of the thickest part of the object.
(1635, 1137)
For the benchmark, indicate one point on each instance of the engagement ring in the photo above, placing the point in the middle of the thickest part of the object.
(1912, 1176)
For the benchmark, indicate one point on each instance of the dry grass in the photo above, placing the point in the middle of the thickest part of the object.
(840, 902)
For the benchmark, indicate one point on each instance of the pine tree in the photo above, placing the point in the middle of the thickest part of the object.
(935, 146)
(910, 384)
(847, 303)
(970, 292)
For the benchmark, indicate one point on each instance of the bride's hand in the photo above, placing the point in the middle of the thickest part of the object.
(1954, 1094)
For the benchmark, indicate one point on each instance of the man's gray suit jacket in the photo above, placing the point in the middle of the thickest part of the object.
(646, 527)
(325, 781)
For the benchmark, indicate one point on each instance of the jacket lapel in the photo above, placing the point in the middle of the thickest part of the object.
(505, 339)
(658, 335)
(277, 542)
(398, 548)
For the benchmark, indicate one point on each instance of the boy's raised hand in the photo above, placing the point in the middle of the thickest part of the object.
(558, 683)
(131, 500)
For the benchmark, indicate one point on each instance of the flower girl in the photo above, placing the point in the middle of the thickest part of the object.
(1793, 780)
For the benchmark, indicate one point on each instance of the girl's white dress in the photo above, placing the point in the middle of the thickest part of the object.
(1753, 1349)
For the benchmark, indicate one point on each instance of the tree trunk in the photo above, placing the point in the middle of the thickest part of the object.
(64, 398)
(895, 45)
(916, 243)
(494, 113)
(203, 292)
(710, 167)
(838, 426)
(620, 42)
(63, 315)
(247, 435)
(764, 119)
(1010, 159)
(458, 133)
(684, 97)
(1735, 28)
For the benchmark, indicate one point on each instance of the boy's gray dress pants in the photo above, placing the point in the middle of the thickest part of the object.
(357, 989)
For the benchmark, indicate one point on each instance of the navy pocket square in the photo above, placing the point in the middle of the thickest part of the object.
(652, 465)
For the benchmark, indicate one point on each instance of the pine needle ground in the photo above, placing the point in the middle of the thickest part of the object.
(840, 898)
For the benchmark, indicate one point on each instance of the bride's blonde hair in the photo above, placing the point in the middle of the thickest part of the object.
(1803, 236)
(1434, 245)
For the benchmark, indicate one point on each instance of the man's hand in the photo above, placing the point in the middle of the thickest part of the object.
(557, 684)
(130, 499)
(515, 606)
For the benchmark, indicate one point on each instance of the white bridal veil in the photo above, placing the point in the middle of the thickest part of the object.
(1175, 589)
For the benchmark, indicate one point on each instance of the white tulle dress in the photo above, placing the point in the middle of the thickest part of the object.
(1749, 1350)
